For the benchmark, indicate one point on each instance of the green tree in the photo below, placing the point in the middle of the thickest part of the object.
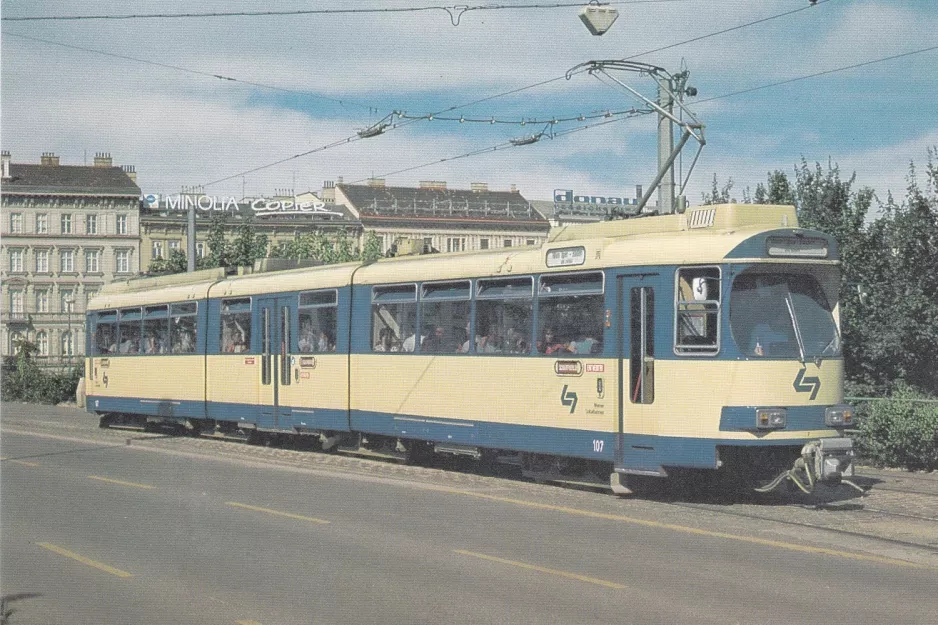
(718, 195)
(777, 190)
(243, 248)
(175, 263)
(371, 247)
(219, 253)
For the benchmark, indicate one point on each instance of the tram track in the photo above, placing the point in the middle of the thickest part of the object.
(789, 511)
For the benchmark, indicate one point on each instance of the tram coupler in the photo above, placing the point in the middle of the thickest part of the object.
(824, 461)
(832, 459)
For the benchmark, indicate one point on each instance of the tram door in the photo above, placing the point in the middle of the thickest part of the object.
(636, 331)
(276, 331)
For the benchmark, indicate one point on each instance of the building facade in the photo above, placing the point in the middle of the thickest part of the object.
(66, 231)
(446, 220)
(281, 218)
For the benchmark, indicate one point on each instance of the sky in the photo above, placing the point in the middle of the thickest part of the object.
(147, 92)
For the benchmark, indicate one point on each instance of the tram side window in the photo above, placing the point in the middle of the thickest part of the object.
(317, 321)
(183, 327)
(235, 325)
(445, 316)
(155, 330)
(105, 334)
(504, 313)
(570, 314)
(697, 318)
(129, 331)
(394, 318)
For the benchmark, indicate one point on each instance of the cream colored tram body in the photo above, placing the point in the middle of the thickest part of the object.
(646, 346)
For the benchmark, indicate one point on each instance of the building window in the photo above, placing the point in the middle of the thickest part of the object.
(42, 343)
(42, 261)
(42, 300)
(16, 261)
(67, 300)
(68, 344)
(16, 342)
(157, 250)
(67, 261)
(483, 244)
(173, 246)
(91, 224)
(16, 304)
(92, 261)
(16, 223)
(200, 249)
(122, 224)
(507, 242)
(66, 224)
(123, 261)
(529, 242)
(42, 224)
(455, 244)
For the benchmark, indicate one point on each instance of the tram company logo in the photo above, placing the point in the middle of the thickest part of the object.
(568, 398)
(807, 384)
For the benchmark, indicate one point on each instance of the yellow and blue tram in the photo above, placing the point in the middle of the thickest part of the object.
(702, 340)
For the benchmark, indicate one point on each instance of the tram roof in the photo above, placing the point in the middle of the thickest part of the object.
(705, 234)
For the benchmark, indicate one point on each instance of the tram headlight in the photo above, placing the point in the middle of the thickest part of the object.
(771, 418)
(839, 416)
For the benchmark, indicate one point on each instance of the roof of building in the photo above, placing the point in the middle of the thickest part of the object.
(26, 178)
(439, 203)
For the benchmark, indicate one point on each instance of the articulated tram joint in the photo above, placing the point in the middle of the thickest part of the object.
(824, 461)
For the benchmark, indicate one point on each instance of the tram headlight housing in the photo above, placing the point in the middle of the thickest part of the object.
(771, 418)
(840, 416)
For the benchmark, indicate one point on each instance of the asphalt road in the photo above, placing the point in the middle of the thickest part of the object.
(100, 531)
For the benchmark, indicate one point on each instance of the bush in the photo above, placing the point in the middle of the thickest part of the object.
(23, 380)
(900, 431)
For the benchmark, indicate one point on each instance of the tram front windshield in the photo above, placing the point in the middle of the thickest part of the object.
(782, 315)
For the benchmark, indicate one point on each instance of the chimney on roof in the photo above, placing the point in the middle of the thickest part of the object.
(131, 172)
(514, 188)
(328, 192)
(479, 187)
(6, 164)
(376, 182)
(102, 159)
(339, 180)
(49, 158)
(439, 185)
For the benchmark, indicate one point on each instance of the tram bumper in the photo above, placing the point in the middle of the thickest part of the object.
(830, 458)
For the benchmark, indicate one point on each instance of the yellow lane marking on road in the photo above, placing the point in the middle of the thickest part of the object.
(289, 515)
(120, 482)
(541, 569)
(23, 462)
(93, 563)
(693, 530)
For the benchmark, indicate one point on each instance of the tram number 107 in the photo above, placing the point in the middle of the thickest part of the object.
(598, 445)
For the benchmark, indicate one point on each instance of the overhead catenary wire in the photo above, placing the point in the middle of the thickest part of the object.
(342, 101)
(509, 144)
(455, 12)
(458, 106)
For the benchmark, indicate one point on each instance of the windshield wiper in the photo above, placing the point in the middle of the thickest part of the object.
(794, 321)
